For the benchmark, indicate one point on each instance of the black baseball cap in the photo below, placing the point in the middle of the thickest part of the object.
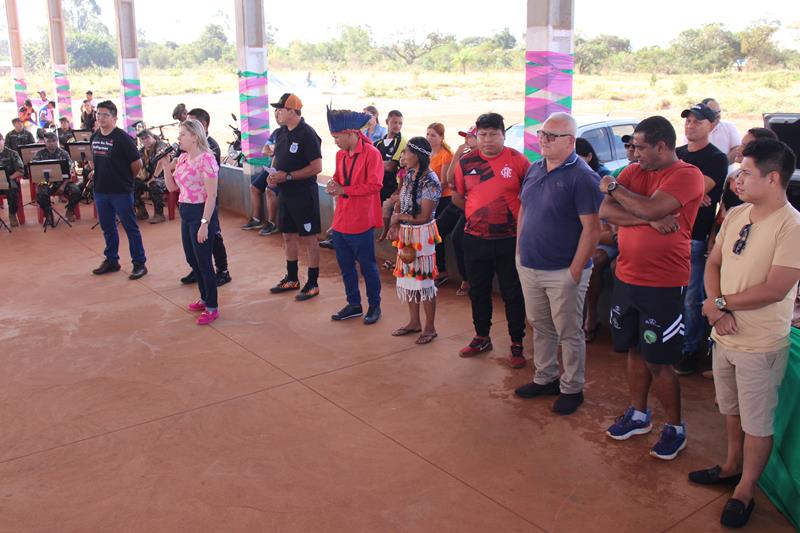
(700, 112)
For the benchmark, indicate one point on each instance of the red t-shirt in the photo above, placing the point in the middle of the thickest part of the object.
(647, 257)
(491, 186)
(361, 209)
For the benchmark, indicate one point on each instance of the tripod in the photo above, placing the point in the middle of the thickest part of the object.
(50, 221)
(4, 225)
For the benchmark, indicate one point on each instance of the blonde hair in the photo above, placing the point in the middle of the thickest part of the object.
(196, 128)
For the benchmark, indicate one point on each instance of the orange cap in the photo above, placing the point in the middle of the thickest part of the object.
(288, 101)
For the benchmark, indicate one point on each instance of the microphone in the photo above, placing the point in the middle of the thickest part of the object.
(168, 150)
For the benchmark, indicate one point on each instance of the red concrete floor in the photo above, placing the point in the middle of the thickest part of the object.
(118, 413)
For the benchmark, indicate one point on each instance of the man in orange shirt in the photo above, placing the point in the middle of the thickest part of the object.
(356, 185)
(655, 204)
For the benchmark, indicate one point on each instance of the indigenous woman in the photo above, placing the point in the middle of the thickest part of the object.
(413, 229)
(195, 176)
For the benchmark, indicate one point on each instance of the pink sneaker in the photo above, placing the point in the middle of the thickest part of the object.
(199, 305)
(207, 317)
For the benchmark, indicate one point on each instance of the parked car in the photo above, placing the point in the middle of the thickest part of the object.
(787, 127)
(604, 135)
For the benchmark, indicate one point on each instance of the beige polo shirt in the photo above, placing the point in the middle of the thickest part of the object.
(774, 241)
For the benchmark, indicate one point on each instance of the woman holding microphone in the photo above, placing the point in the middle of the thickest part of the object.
(194, 175)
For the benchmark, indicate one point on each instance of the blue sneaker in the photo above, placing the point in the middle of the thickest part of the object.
(670, 443)
(625, 427)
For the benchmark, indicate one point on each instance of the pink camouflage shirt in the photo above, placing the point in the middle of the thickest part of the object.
(190, 175)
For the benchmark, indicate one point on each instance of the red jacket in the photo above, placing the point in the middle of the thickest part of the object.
(359, 208)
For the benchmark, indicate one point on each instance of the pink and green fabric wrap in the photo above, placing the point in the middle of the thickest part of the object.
(132, 94)
(548, 89)
(254, 115)
(63, 93)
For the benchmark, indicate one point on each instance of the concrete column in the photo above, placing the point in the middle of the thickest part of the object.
(17, 57)
(549, 64)
(129, 65)
(58, 54)
(251, 49)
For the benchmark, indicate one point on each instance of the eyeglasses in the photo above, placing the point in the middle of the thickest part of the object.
(551, 137)
(738, 246)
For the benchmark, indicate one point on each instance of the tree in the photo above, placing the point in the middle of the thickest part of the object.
(212, 43)
(91, 50)
(757, 44)
(83, 16)
(711, 48)
(592, 54)
(504, 40)
(409, 50)
(463, 57)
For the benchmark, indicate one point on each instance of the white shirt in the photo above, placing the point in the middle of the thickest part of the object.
(725, 136)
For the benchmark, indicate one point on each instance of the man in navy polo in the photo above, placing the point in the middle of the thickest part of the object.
(559, 231)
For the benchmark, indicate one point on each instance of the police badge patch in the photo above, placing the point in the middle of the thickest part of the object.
(293, 148)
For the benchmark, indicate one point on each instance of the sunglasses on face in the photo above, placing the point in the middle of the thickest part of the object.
(551, 137)
(738, 246)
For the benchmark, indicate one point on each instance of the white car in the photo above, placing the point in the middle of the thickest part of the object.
(604, 135)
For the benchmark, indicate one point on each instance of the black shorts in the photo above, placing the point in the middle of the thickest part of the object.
(649, 319)
(299, 213)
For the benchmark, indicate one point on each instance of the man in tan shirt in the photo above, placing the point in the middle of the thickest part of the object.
(751, 281)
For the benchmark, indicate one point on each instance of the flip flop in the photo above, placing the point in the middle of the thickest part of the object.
(462, 291)
(399, 332)
(388, 265)
(425, 338)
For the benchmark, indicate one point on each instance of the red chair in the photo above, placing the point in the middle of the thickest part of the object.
(20, 203)
(172, 204)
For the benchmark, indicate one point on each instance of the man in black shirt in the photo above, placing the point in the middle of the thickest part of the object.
(219, 252)
(390, 148)
(51, 152)
(116, 162)
(298, 160)
(11, 162)
(19, 136)
(714, 166)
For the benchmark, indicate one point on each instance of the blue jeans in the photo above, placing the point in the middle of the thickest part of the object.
(109, 208)
(694, 322)
(358, 247)
(199, 255)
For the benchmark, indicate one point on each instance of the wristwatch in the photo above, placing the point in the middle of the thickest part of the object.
(612, 185)
(203, 221)
(289, 177)
(720, 303)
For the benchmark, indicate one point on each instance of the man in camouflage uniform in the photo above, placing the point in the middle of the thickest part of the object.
(51, 152)
(19, 136)
(148, 180)
(11, 162)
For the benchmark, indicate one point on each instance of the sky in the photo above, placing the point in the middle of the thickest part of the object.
(181, 20)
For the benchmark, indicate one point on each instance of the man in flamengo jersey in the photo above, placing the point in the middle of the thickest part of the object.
(488, 182)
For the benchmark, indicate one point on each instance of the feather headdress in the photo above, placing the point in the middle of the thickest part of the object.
(340, 120)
